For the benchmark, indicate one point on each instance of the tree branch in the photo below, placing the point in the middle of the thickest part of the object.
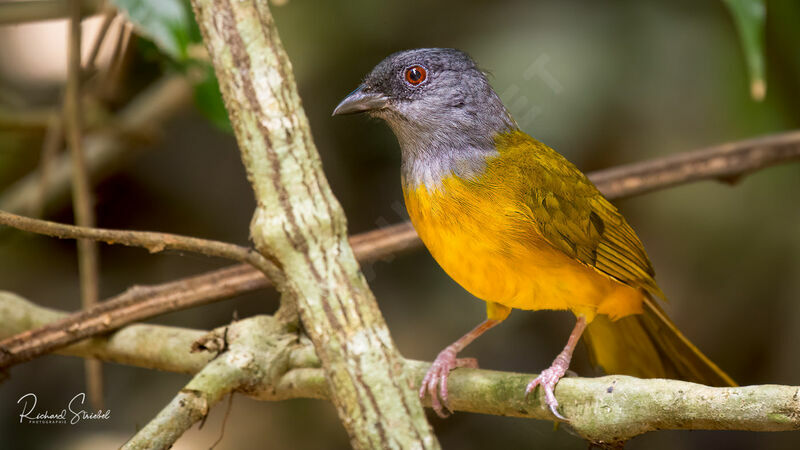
(299, 223)
(136, 303)
(118, 311)
(82, 198)
(140, 302)
(143, 302)
(154, 242)
(109, 15)
(726, 162)
(53, 138)
(606, 409)
(258, 350)
(149, 346)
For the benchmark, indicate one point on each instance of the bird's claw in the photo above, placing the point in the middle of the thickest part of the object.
(437, 377)
(548, 380)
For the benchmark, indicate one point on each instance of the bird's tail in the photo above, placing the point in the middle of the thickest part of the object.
(649, 345)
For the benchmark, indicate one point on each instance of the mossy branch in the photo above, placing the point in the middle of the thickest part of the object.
(254, 351)
(299, 224)
(604, 410)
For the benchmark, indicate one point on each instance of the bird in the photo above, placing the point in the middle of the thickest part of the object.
(519, 226)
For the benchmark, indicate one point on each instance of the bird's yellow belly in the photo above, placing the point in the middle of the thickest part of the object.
(479, 242)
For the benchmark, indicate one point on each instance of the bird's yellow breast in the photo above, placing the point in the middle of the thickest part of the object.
(485, 239)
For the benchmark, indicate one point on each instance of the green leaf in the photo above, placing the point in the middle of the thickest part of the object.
(209, 101)
(171, 27)
(749, 17)
(168, 23)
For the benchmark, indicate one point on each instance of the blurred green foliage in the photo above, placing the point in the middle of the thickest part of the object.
(750, 17)
(208, 99)
(171, 26)
(168, 23)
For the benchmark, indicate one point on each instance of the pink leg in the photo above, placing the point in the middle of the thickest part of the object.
(445, 362)
(550, 376)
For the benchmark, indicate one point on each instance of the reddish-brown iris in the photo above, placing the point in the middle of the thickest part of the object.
(416, 75)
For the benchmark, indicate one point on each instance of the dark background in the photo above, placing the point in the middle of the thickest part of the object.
(630, 81)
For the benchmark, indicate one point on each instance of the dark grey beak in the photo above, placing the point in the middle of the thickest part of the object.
(359, 101)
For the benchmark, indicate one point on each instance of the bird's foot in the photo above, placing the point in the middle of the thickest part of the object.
(437, 377)
(548, 380)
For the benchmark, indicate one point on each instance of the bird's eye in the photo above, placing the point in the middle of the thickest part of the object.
(416, 75)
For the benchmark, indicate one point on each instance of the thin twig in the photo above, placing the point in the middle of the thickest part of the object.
(118, 311)
(88, 257)
(728, 162)
(143, 302)
(53, 139)
(108, 18)
(118, 61)
(154, 242)
(224, 422)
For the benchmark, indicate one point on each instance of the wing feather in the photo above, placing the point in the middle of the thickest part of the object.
(574, 216)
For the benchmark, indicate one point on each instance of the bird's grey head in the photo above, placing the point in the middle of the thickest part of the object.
(439, 105)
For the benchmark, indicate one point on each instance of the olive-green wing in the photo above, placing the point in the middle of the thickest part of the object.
(574, 216)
